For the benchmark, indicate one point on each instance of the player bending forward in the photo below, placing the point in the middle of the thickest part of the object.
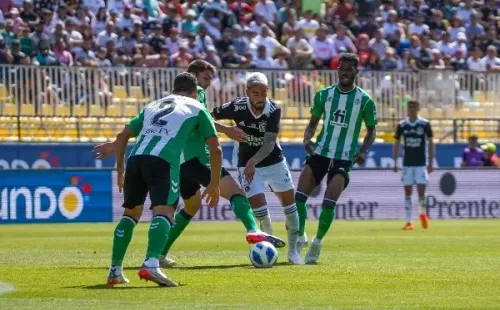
(260, 158)
(163, 127)
(343, 107)
(415, 130)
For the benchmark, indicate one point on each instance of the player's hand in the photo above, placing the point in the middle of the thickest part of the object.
(430, 169)
(104, 150)
(235, 133)
(395, 168)
(359, 158)
(120, 173)
(249, 171)
(308, 145)
(212, 192)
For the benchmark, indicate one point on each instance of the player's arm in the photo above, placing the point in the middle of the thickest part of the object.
(317, 111)
(430, 147)
(131, 130)
(226, 111)
(370, 119)
(206, 129)
(397, 146)
(270, 137)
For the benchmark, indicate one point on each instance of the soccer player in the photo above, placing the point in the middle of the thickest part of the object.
(260, 158)
(163, 127)
(344, 107)
(415, 130)
(195, 171)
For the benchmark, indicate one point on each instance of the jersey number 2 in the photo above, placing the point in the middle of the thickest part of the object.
(167, 107)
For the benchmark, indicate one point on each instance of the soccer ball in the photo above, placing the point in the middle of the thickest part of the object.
(263, 255)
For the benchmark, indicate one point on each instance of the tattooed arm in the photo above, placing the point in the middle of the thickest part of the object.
(266, 148)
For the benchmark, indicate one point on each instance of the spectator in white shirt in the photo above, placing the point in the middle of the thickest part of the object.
(127, 20)
(262, 61)
(341, 40)
(308, 24)
(107, 34)
(447, 46)
(456, 28)
(271, 44)
(267, 9)
(257, 24)
(378, 44)
(475, 62)
(323, 49)
(118, 5)
(418, 27)
(203, 40)
(391, 25)
(300, 50)
(465, 11)
(94, 5)
(281, 61)
(491, 60)
(437, 62)
(461, 43)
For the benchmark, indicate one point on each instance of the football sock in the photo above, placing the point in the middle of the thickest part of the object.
(292, 225)
(157, 236)
(408, 209)
(242, 209)
(326, 217)
(262, 215)
(300, 200)
(181, 220)
(421, 200)
(121, 239)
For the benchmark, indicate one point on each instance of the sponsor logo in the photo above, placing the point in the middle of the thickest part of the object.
(45, 161)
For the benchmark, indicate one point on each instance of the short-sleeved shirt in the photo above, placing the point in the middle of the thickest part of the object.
(164, 126)
(473, 157)
(343, 115)
(254, 126)
(195, 146)
(415, 135)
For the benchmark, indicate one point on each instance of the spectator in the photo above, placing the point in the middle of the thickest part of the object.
(370, 26)
(27, 44)
(491, 158)
(239, 42)
(343, 9)
(272, 45)
(263, 61)
(456, 28)
(86, 56)
(189, 24)
(323, 49)
(490, 12)
(266, 9)
(437, 61)
(8, 32)
(373, 63)
(391, 25)
(127, 19)
(62, 54)
(99, 21)
(353, 24)
(242, 10)
(308, 25)
(107, 34)
(182, 58)
(289, 28)
(285, 13)
(212, 23)
(157, 40)
(28, 15)
(281, 61)
(473, 155)
(474, 28)
(418, 27)
(212, 57)
(44, 57)
(437, 22)
(459, 62)
(231, 59)
(475, 62)
(126, 43)
(19, 58)
(300, 51)
(389, 62)
(223, 44)
(378, 44)
(340, 39)
(257, 24)
(172, 21)
(465, 11)
(491, 60)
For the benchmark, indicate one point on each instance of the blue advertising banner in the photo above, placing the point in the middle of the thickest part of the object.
(55, 196)
(46, 156)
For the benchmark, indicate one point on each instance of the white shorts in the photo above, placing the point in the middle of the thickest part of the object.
(277, 176)
(415, 175)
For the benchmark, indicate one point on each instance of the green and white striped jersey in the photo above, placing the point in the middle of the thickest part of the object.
(164, 126)
(342, 114)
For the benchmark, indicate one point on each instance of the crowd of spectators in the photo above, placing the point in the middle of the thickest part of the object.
(260, 34)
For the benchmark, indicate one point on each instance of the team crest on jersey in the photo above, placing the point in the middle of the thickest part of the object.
(420, 131)
(357, 101)
(262, 126)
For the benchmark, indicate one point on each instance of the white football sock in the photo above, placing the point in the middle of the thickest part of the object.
(292, 224)
(408, 209)
(421, 201)
(152, 262)
(262, 215)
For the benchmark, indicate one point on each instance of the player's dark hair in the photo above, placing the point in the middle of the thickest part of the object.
(185, 83)
(415, 102)
(199, 66)
(349, 57)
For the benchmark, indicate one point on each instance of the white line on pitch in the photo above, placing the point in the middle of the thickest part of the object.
(5, 288)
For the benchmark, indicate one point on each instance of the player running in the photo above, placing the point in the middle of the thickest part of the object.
(195, 171)
(163, 127)
(415, 130)
(260, 158)
(343, 107)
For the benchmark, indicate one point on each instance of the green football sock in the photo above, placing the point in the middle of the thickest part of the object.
(326, 217)
(300, 201)
(242, 209)
(121, 239)
(181, 220)
(157, 236)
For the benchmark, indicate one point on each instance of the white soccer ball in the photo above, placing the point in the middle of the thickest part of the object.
(263, 255)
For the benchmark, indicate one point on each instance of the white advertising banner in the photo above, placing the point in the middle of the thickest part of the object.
(378, 194)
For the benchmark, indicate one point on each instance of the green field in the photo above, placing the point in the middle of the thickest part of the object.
(365, 264)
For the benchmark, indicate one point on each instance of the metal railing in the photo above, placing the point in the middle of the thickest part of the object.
(122, 91)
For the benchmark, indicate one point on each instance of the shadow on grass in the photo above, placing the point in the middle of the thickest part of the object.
(119, 287)
(206, 267)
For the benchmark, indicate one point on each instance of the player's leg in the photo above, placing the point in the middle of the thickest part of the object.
(422, 178)
(280, 179)
(338, 179)
(241, 207)
(135, 192)
(163, 187)
(313, 172)
(408, 179)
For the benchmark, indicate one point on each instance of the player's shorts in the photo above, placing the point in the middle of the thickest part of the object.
(277, 176)
(150, 174)
(193, 175)
(415, 175)
(321, 165)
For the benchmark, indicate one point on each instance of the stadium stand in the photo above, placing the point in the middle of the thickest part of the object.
(78, 70)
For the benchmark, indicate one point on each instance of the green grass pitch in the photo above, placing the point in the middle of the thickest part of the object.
(364, 264)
